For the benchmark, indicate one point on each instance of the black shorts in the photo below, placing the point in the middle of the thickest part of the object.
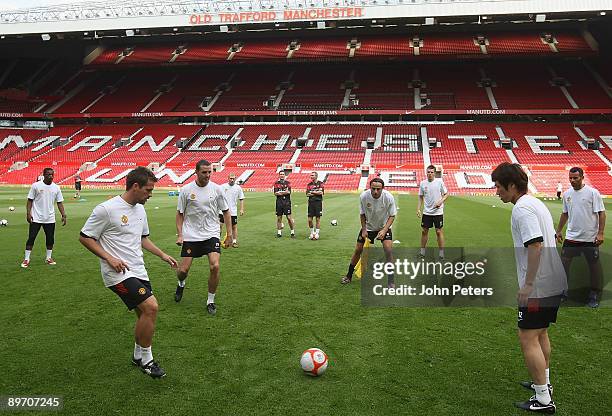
(133, 291)
(558, 194)
(429, 221)
(77, 186)
(576, 248)
(200, 248)
(234, 219)
(539, 312)
(33, 230)
(315, 208)
(372, 236)
(283, 207)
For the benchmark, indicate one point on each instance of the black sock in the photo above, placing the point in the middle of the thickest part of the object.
(350, 271)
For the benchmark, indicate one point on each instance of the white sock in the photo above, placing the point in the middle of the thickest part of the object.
(542, 393)
(422, 251)
(548, 376)
(147, 355)
(441, 252)
(312, 230)
(292, 232)
(234, 240)
(211, 298)
(137, 351)
(49, 253)
(27, 255)
(317, 231)
(181, 283)
(279, 232)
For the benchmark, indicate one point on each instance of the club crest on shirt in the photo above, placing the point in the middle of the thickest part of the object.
(369, 205)
(142, 291)
(569, 199)
(124, 220)
(192, 196)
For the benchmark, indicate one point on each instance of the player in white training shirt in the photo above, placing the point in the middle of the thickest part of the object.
(197, 225)
(541, 280)
(432, 194)
(377, 212)
(233, 194)
(40, 212)
(116, 231)
(585, 210)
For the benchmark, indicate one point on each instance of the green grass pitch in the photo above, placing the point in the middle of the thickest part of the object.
(62, 333)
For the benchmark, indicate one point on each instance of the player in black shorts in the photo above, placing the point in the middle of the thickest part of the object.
(198, 231)
(585, 214)
(377, 213)
(314, 191)
(117, 232)
(77, 185)
(282, 190)
(541, 280)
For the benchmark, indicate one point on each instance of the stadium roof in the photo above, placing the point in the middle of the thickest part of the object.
(117, 14)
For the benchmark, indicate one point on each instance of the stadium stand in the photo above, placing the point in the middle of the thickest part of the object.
(471, 144)
(312, 78)
(339, 48)
(524, 85)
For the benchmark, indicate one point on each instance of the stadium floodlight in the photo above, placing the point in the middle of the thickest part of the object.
(430, 21)
(129, 32)
(540, 18)
(224, 28)
(602, 13)
(45, 37)
(320, 25)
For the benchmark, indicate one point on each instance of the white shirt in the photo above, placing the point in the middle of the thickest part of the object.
(432, 192)
(200, 206)
(559, 187)
(233, 193)
(377, 211)
(582, 208)
(43, 197)
(531, 221)
(119, 228)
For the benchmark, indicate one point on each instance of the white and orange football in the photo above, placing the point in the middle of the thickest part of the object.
(314, 362)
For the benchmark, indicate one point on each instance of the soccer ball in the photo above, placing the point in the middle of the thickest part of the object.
(334, 222)
(3, 222)
(11, 208)
(314, 362)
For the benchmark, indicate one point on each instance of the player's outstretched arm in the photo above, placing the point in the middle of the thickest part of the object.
(29, 210)
(442, 201)
(148, 245)
(180, 218)
(60, 206)
(364, 230)
(534, 253)
(227, 218)
(420, 206)
(92, 245)
(383, 231)
(559, 232)
(602, 226)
